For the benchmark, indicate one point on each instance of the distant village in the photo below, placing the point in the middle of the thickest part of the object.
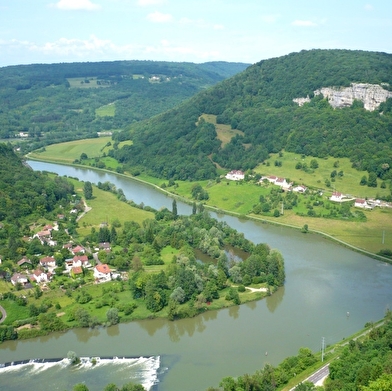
(238, 175)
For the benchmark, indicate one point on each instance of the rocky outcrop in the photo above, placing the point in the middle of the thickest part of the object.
(372, 95)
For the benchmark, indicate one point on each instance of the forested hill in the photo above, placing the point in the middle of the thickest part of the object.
(51, 103)
(26, 196)
(258, 103)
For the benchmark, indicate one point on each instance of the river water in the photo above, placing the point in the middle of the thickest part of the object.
(330, 292)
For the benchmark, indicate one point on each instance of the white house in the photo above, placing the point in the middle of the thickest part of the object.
(299, 189)
(19, 278)
(336, 196)
(78, 249)
(283, 183)
(39, 276)
(77, 261)
(235, 175)
(362, 203)
(48, 263)
(102, 273)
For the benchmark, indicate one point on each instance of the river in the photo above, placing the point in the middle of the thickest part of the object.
(330, 292)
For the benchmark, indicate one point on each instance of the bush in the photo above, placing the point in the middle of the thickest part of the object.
(241, 288)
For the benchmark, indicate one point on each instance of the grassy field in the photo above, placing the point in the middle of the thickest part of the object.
(240, 198)
(80, 82)
(106, 208)
(347, 184)
(225, 132)
(106, 111)
(68, 152)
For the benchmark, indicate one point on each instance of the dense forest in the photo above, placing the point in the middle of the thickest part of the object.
(52, 103)
(25, 197)
(259, 103)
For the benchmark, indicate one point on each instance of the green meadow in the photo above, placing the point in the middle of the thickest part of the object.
(315, 178)
(106, 208)
(106, 111)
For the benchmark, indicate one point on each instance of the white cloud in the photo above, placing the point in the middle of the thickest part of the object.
(303, 23)
(86, 5)
(369, 7)
(146, 3)
(158, 17)
(71, 48)
(219, 27)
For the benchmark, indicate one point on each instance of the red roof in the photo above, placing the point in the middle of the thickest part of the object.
(104, 268)
(82, 258)
(47, 260)
(77, 270)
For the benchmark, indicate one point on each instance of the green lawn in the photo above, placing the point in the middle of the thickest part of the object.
(68, 152)
(348, 184)
(107, 208)
(106, 111)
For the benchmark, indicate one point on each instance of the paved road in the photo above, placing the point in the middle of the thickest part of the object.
(3, 313)
(319, 375)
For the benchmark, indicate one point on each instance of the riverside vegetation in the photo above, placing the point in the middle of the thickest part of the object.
(158, 273)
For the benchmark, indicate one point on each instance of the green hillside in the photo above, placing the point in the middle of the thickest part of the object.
(258, 103)
(51, 103)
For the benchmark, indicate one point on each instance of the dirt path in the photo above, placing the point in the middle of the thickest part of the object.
(3, 313)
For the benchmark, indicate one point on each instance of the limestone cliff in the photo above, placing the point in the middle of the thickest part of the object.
(372, 95)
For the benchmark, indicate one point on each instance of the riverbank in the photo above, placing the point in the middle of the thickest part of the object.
(348, 234)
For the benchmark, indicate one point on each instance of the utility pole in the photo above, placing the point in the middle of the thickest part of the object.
(383, 236)
(322, 348)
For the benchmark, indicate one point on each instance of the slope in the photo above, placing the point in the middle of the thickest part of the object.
(259, 103)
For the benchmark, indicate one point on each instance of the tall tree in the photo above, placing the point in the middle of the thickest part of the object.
(88, 190)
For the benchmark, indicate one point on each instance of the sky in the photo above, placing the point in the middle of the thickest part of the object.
(53, 31)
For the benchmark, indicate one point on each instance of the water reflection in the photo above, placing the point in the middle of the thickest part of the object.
(83, 335)
(234, 311)
(112, 331)
(251, 304)
(274, 300)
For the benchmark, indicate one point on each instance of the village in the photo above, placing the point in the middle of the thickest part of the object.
(238, 175)
(79, 262)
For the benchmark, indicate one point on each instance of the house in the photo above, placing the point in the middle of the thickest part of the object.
(104, 246)
(19, 278)
(40, 276)
(75, 271)
(299, 189)
(283, 183)
(362, 203)
(102, 273)
(235, 175)
(68, 246)
(336, 196)
(24, 262)
(43, 236)
(48, 262)
(78, 249)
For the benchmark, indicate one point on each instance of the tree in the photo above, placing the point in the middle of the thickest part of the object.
(88, 190)
(72, 357)
(314, 164)
(174, 209)
(372, 180)
(80, 387)
(112, 316)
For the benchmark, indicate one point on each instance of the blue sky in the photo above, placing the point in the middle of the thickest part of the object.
(51, 31)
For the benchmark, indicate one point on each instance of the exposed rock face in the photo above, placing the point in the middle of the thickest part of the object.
(372, 95)
(301, 101)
